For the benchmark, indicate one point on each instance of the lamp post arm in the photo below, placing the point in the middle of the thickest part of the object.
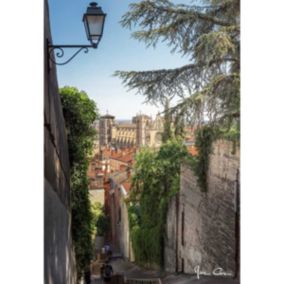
(58, 51)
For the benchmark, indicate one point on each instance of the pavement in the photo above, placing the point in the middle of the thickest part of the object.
(132, 270)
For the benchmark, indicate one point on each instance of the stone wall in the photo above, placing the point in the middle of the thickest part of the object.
(170, 246)
(121, 241)
(204, 233)
(125, 243)
(59, 261)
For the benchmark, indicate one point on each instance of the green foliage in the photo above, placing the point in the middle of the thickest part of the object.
(101, 222)
(174, 123)
(204, 139)
(232, 134)
(81, 217)
(168, 132)
(207, 33)
(79, 113)
(155, 181)
(205, 136)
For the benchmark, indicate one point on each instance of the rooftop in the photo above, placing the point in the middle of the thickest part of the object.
(192, 150)
(124, 155)
(127, 185)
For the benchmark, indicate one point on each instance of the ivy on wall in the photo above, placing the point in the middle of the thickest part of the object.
(79, 113)
(101, 222)
(205, 136)
(204, 139)
(155, 181)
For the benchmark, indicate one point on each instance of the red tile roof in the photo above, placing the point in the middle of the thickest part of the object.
(127, 185)
(123, 155)
(192, 150)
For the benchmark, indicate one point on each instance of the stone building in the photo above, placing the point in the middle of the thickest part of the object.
(142, 131)
(120, 234)
(203, 227)
(105, 129)
(96, 183)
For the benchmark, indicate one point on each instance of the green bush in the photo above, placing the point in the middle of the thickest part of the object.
(79, 113)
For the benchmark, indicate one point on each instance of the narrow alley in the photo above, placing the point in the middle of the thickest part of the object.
(140, 195)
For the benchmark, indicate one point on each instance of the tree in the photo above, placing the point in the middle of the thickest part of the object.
(168, 132)
(79, 114)
(208, 35)
(101, 222)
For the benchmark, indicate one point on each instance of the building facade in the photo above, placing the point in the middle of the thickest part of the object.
(120, 234)
(105, 129)
(142, 131)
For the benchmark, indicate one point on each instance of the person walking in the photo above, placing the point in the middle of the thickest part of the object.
(106, 272)
(108, 251)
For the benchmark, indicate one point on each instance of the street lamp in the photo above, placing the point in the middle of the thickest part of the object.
(94, 20)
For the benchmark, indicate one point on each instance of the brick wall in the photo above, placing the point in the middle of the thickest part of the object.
(204, 232)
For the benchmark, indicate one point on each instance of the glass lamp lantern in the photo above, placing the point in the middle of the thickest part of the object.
(94, 20)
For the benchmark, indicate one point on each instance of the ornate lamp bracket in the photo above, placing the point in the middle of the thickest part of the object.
(57, 51)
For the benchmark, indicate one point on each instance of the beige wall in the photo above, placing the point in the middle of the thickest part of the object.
(210, 226)
(124, 136)
(120, 228)
(124, 239)
(97, 195)
(134, 134)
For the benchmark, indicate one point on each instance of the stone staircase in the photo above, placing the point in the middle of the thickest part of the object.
(123, 274)
(120, 279)
(142, 281)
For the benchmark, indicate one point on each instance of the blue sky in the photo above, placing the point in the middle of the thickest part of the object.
(92, 72)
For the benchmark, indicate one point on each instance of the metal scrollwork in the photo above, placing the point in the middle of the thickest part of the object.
(58, 51)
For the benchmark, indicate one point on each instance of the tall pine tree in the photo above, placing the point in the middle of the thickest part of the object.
(208, 34)
(167, 133)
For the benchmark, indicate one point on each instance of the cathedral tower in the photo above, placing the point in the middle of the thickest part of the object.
(105, 128)
(142, 121)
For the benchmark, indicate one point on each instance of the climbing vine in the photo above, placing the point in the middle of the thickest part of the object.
(79, 113)
(203, 142)
(205, 136)
(155, 182)
(101, 222)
